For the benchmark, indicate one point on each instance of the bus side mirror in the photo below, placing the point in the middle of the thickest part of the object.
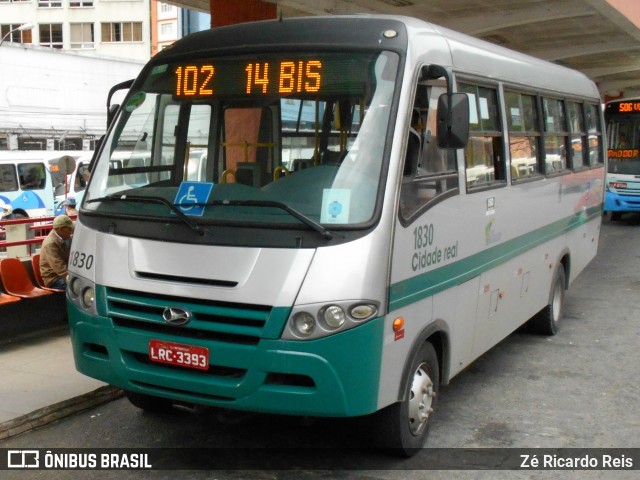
(453, 120)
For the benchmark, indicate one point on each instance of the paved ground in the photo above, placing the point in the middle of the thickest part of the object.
(40, 383)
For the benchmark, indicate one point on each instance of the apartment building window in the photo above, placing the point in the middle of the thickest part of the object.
(167, 29)
(82, 35)
(80, 3)
(166, 8)
(49, 3)
(122, 32)
(50, 35)
(15, 37)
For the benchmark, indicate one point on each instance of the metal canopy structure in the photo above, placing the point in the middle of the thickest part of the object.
(587, 35)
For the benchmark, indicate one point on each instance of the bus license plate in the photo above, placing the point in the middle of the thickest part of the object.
(188, 356)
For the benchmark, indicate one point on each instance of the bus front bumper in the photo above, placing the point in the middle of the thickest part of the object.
(614, 202)
(334, 376)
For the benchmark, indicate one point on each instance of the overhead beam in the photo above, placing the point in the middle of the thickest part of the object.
(486, 22)
(564, 52)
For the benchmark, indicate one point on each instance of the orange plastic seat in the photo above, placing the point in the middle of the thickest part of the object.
(35, 265)
(16, 280)
(4, 298)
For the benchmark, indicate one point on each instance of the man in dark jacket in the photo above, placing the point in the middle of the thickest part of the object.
(54, 254)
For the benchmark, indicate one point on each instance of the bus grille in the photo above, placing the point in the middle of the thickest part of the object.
(224, 322)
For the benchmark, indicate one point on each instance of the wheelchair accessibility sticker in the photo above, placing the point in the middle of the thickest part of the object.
(192, 197)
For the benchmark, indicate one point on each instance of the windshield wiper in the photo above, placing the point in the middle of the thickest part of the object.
(149, 199)
(282, 206)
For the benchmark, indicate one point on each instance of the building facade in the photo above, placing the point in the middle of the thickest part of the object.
(110, 28)
(54, 99)
(169, 23)
(56, 76)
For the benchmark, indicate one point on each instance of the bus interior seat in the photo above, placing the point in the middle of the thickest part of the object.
(301, 164)
(248, 173)
(330, 157)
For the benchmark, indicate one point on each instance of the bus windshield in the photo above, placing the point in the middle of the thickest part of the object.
(624, 144)
(264, 140)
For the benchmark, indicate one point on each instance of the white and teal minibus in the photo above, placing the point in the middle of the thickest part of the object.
(331, 217)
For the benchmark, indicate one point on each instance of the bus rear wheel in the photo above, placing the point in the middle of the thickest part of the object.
(403, 427)
(547, 320)
(149, 403)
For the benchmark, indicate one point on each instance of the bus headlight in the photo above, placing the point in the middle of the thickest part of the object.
(88, 297)
(82, 293)
(74, 286)
(334, 316)
(304, 323)
(307, 322)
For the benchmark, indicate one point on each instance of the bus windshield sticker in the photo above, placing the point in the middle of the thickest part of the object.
(135, 101)
(159, 69)
(192, 197)
(335, 205)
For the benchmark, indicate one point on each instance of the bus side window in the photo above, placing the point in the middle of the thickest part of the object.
(485, 165)
(8, 180)
(594, 130)
(556, 135)
(429, 171)
(524, 135)
(32, 176)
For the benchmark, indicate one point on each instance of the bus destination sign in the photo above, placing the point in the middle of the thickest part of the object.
(290, 76)
(272, 75)
(627, 107)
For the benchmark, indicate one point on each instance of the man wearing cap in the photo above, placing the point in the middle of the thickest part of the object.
(54, 253)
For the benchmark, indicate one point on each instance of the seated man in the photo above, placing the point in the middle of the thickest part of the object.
(54, 254)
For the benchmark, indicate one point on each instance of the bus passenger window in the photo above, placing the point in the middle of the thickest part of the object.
(524, 135)
(484, 158)
(32, 176)
(8, 181)
(555, 138)
(594, 130)
(578, 136)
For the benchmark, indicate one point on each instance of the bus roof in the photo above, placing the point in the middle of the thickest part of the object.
(465, 53)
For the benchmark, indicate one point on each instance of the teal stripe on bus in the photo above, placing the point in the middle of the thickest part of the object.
(426, 284)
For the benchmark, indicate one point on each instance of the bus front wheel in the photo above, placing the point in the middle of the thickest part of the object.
(403, 426)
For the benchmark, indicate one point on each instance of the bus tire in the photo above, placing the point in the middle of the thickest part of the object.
(547, 320)
(149, 403)
(403, 427)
